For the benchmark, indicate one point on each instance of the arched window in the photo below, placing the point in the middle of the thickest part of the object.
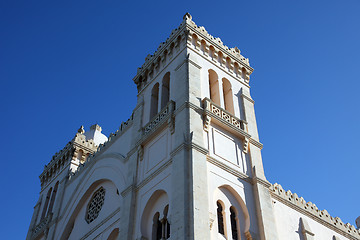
(53, 196)
(233, 220)
(232, 214)
(214, 87)
(157, 229)
(161, 227)
(228, 96)
(46, 203)
(220, 218)
(154, 100)
(165, 90)
(166, 223)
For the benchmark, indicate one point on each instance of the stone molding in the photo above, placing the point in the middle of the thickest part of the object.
(310, 209)
(265, 183)
(93, 229)
(185, 145)
(216, 114)
(203, 41)
(229, 169)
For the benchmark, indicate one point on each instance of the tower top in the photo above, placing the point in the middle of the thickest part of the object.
(191, 32)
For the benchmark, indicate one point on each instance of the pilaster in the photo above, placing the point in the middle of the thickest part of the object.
(57, 207)
(262, 197)
(197, 154)
(34, 217)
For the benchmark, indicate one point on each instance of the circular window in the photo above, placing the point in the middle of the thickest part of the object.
(95, 205)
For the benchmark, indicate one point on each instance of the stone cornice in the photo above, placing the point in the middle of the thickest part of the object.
(265, 183)
(189, 31)
(310, 209)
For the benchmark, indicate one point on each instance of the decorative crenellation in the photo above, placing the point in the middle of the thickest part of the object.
(112, 137)
(70, 152)
(199, 39)
(213, 48)
(57, 162)
(157, 120)
(309, 207)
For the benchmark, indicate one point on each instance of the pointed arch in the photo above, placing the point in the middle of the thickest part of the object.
(214, 87)
(165, 90)
(154, 100)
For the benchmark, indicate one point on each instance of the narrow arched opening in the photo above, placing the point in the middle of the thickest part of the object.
(154, 100)
(165, 90)
(220, 218)
(157, 229)
(53, 197)
(214, 87)
(228, 96)
(234, 223)
(46, 203)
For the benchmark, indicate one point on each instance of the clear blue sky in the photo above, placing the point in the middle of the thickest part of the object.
(64, 64)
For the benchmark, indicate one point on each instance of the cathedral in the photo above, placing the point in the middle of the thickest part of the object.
(185, 165)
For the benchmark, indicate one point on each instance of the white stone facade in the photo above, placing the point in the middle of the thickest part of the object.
(185, 165)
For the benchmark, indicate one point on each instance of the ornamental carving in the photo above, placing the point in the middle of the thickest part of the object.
(95, 205)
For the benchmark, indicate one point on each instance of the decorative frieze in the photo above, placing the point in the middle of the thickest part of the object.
(322, 216)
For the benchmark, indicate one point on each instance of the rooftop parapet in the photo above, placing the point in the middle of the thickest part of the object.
(197, 35)
(88, 142)
(309, 208)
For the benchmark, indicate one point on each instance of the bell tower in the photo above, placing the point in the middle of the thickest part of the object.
(185, 165)
(200, 129)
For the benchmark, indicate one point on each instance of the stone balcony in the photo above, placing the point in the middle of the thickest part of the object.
(220, 115)
(38, 229)
(165, 115)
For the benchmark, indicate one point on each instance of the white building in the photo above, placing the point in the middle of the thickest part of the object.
(185, 165)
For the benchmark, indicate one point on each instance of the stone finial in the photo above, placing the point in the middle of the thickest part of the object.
(96, 127)
(81, 129)
(187, 16)
(357, 221)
